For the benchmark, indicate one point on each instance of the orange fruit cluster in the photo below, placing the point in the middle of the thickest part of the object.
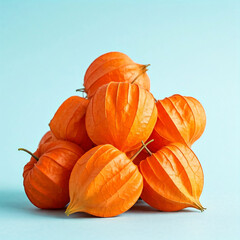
(117, 144)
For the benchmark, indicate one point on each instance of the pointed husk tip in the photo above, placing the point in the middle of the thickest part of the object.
(145, 67)
(71, 209)
(67, 212)
(199, 206)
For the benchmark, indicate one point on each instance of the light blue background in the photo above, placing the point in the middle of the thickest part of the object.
(193, 48)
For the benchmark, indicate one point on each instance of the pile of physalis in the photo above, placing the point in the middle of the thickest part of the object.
(105, 151)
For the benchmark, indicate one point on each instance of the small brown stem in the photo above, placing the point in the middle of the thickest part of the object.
(145, 66)
(143, 70)
(80, 90)
(144, 146)
(83, 91)
(25, 150)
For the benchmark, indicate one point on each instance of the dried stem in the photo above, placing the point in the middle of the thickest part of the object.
(25, 150)
(143, 70)
(81, 90)
(144, 145)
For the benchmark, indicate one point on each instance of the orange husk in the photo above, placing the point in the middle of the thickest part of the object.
(46, 176)
(68, 122)
(47, 137)
(121, 114)
(114, 67)
(180, 119)
(173, 178)
(104, 183)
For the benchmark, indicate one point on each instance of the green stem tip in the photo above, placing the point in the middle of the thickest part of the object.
(25, 150)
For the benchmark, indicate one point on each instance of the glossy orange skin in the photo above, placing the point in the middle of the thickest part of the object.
(180, 119)
(68, 122)
(121, 114)
(173, 178)
(47, 137)
(46, 180)
(104, 183)
(117, 67)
